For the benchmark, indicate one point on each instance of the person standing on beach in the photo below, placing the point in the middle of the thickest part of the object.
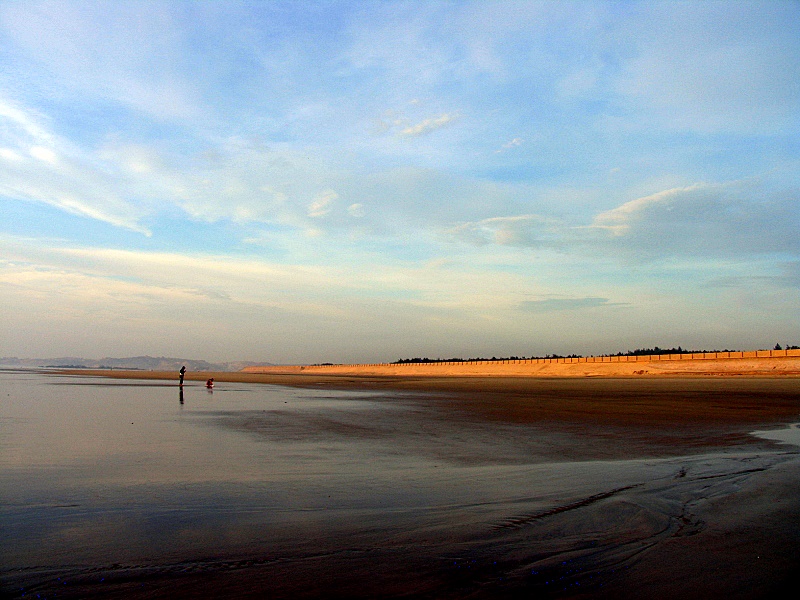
(182, 372)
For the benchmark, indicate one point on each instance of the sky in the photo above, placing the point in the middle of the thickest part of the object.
(297, 182)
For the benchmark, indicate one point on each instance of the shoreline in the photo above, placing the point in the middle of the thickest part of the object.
(442, 375)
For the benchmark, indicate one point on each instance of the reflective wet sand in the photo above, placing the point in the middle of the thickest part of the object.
(132, 489)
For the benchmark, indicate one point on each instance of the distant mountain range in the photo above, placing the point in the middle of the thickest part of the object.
(145, 363)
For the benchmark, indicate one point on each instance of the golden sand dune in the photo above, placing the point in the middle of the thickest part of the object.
(760, 363)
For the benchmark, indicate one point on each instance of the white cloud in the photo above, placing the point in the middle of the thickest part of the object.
(738, 218)
(356, 210)
(26, 124)
(521, 230)
(9, 154)
(429, 125)
(716, 219)
(94, 292)
(322, 204)
(242, 180)
(618, 220)
(40, 166)
(509, 145)
(43, 154)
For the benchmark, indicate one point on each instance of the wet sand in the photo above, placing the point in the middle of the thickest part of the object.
(698, 408)
(658, 490)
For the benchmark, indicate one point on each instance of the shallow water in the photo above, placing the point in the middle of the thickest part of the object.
(789, 435)
(99, 476)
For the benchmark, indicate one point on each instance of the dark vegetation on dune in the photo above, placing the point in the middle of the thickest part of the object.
(638, 352)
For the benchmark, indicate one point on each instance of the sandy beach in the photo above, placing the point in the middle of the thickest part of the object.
(715, 364)
(646, 487)
(695, 404)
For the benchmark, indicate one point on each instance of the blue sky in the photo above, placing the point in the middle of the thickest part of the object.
(367, 181)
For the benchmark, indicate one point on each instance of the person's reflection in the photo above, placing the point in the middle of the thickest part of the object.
(180, 397)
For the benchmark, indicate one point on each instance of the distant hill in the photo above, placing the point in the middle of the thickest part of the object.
(145, 363)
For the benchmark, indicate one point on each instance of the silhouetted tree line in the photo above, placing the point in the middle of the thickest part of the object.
(786, 347)
(478, 359)
(659, 351)
(638, 352)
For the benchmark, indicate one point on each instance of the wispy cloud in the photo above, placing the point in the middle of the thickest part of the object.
(322, 204)
(356, 210)
(26, 123)
(115, 62)
(509, 145)
(787, 276)
(567, 304)
(520, 230)
(737, 218)
(619, 220)
(37, 165)
(429, 125)
(730, 218)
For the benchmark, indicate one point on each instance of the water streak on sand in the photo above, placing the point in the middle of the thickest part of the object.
(525, 519)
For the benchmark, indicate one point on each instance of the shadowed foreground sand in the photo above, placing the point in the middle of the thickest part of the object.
(715, 514)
